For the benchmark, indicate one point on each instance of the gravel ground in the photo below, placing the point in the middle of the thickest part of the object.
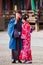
(37, 49)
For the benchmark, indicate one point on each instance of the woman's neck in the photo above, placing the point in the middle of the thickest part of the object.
(24, 22)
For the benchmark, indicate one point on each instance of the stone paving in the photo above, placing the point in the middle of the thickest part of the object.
(37, 49)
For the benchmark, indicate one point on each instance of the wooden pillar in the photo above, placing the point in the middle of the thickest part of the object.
(37, 26)
(0, 7)
(28, 4)
(38, 4)
(9, 6)
(22, 4)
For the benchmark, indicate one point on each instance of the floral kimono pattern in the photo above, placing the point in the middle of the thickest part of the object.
(25, 53)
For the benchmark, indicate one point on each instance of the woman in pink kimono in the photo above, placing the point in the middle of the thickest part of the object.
(25, 54)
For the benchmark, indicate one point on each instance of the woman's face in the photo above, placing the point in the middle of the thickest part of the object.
(23, 21)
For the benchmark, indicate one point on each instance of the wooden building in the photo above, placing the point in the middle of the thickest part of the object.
(7, 8)
(9, 5)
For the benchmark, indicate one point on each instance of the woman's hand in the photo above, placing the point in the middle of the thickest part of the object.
(32, 29)
(23, 36)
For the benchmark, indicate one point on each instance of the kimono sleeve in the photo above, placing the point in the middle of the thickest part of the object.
(28, 28)
(11, 27)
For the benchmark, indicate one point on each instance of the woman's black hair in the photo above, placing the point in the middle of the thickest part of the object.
(25, 16)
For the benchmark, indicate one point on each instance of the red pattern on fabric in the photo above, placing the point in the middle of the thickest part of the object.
(25, 53)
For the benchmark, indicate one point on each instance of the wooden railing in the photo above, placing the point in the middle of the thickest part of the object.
(35, 18)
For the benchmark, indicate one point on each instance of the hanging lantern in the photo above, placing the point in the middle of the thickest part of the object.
(15, 7)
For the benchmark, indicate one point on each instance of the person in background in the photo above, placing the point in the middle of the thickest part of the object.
(13, 41)
(26, 53)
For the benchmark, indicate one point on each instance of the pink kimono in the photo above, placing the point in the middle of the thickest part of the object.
(25, 53)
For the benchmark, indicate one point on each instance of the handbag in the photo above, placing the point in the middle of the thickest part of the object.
(16, 33)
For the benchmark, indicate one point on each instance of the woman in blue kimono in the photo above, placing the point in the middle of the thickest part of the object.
(12, 43)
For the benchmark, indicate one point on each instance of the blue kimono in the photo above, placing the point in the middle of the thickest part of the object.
(11, 27)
